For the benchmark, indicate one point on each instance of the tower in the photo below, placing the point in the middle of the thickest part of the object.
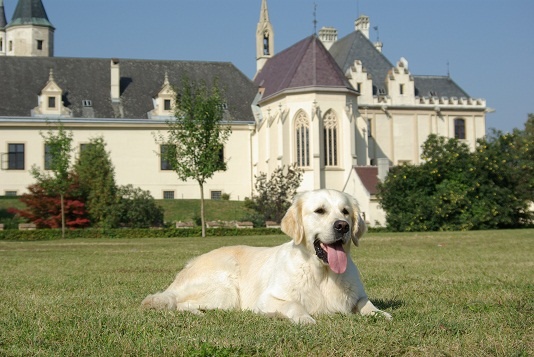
(3, 24)
(264, 38)
(29, 33)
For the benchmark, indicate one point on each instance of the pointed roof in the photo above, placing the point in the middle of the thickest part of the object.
(3, 21)
(264, 13)
(30, 12)
(356, 46)
(306, 64)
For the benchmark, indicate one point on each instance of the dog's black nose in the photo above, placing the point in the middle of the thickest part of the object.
(341, 227)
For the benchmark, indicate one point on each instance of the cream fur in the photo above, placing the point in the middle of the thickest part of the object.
(287, 280)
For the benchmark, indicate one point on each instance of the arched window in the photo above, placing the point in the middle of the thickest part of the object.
(302, 130)
(459, 128)
(330, 139)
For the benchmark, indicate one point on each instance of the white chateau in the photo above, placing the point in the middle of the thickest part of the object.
(338, 108)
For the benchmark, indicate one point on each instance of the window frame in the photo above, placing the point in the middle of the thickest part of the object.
(331, 139)
(16, 159)
(459, 129)
(302, 139)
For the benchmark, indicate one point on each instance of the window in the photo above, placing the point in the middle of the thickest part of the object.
(164, 151)
(401, 89)
(216, 195)
(370, 127)
(459, 128)
(302, 129)
(10, 193)
(167, 104)
(359, 87)
(330, 139)
(48, 157)
(51, 102)
(1, 44)
(39, 45)
(15, 157)
(168, 195)
(10, 45)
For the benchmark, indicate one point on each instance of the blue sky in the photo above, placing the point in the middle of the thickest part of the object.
(488, 44)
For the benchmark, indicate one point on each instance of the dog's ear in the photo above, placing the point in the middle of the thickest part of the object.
(292, 221)
(358, 224)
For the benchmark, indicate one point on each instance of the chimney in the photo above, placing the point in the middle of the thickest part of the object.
(362, 24)
(115, 81)
(383, 168)
(328, 35)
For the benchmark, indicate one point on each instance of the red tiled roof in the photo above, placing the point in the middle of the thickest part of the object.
(369, 177)
(305, 64)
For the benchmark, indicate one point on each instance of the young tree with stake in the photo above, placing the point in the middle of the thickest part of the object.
(196, 138)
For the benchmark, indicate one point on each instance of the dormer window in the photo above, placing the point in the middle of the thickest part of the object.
(163, 101)
(49, 100)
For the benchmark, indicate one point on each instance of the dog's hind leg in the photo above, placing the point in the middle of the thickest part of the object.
(163, 300)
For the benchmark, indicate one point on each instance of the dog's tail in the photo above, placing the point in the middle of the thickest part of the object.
(163, 300)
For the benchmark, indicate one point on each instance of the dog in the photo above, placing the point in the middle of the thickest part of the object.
(310, 275)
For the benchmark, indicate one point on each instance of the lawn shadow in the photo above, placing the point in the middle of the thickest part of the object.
(388, 304)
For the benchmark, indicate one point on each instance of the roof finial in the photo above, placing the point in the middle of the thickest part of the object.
(51, 75)
(166, 81)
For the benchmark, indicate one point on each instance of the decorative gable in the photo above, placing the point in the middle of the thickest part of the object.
(49, 101)
(164, 101)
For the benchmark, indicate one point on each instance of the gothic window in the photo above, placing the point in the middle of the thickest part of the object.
(459, 128)
(330, 138)
(266, 50)
(302, 130)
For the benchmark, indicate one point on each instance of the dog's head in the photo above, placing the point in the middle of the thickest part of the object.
(325, 221)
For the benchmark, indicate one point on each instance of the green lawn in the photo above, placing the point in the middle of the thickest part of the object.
(455, 294)
(175, 210)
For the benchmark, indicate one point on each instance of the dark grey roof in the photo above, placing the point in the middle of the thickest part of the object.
(437, 86)
(305, 64)
(355, 46)
(3, 21)
(81, 79)
(30, 12)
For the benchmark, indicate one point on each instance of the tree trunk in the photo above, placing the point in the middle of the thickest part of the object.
(202, 219)
(62, 216)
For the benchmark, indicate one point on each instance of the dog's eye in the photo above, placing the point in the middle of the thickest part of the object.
(320, 211)
(345, 211)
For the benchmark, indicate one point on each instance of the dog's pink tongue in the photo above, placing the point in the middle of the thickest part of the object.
(337, 258)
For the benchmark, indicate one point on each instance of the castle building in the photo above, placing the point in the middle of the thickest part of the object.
(338, 108)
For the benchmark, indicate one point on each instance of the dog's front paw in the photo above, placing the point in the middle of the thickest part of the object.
(383, 314)
(304, 320)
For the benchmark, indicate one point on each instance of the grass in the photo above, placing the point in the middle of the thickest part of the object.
(460, 293)
(175, 210)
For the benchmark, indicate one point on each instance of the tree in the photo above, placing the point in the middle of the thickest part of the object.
(95, 175)
(137, 208)
(457, 189)
(274, 195)
(58, 148)
(196, 138)
(44, 210)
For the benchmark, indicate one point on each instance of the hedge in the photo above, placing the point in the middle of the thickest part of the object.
(52, 234)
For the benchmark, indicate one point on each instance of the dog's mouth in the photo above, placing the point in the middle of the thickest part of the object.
(332, 254)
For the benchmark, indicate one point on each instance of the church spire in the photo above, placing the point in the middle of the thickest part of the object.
(3, 21)
(264, 38)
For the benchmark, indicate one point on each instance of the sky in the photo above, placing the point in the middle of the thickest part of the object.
(487, 46)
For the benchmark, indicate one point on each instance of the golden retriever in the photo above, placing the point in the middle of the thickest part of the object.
(310, 275)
